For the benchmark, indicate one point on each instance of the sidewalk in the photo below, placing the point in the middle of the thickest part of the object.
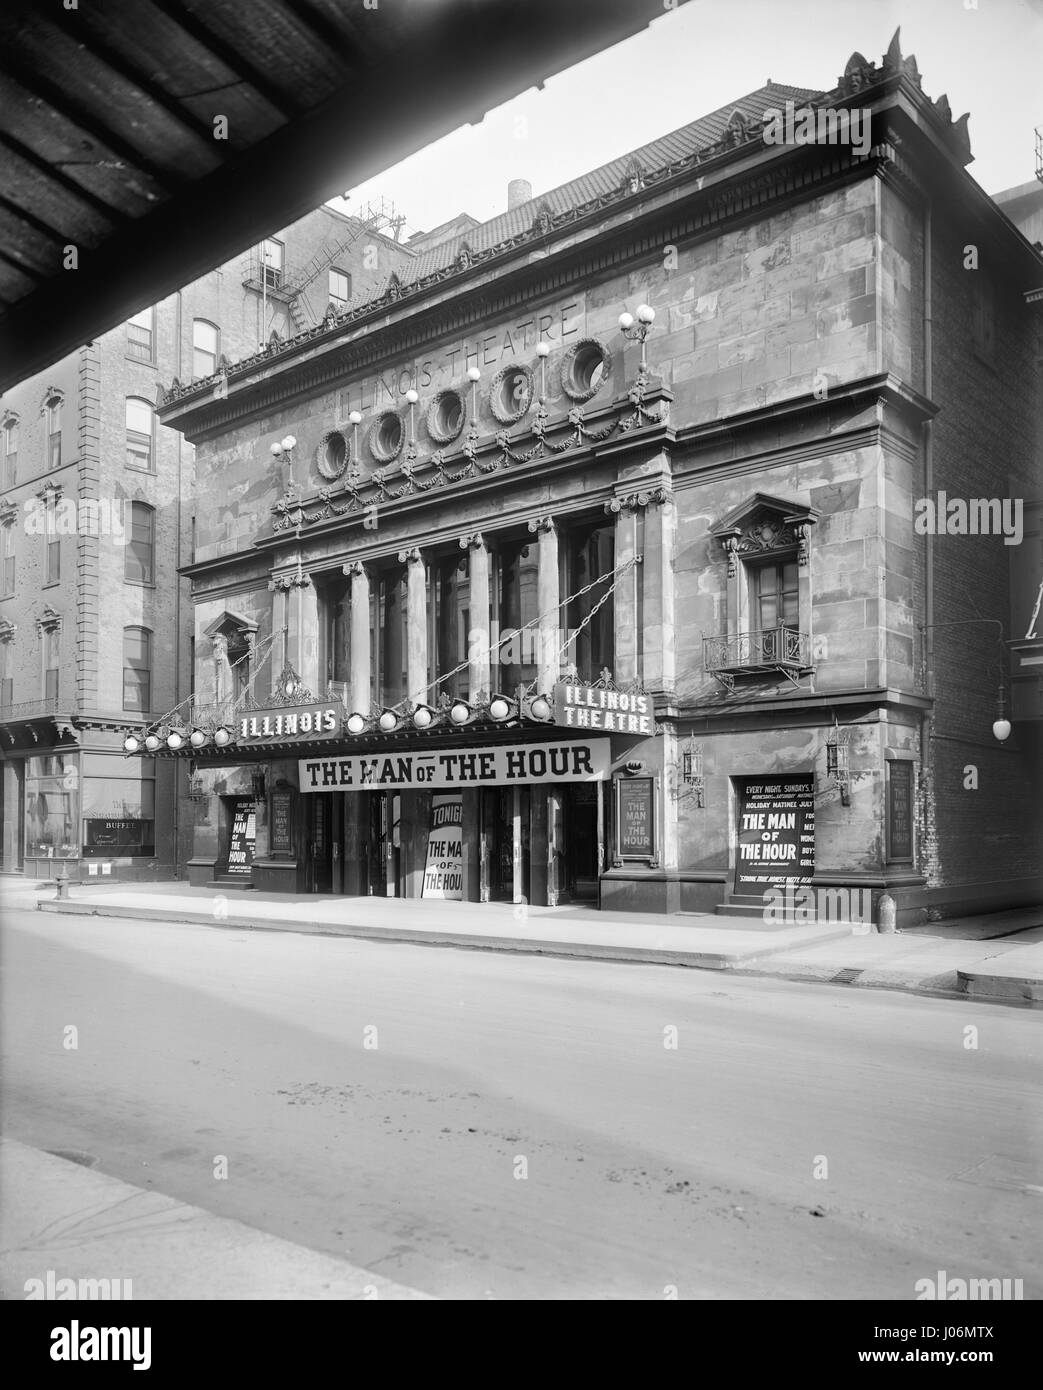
(994, 956)
(60, 1220)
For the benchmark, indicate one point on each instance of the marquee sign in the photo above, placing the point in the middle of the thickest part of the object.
(591, 707)
(303, 722)
(586, 761)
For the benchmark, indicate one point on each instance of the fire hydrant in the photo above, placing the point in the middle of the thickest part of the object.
(885, 913)
(62, 882)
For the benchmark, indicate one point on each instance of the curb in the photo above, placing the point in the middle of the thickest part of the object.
(730, 961)
(66, 1221)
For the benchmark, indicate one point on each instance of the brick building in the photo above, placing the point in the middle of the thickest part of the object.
(512, 589)
(96, 521)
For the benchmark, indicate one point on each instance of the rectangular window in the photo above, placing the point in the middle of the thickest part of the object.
(340, 287)
(118, 811)
(6, 552)
(272, 262)
(137, 668)
(775, 594)
(204, 348)
(7, 692)
(139, 336)
(139, 559)
(52, 806)
(590, 560)
(513, 661)
(388, 627)
(54, 562)
(50, 665)
(448, 617)
(140, 429)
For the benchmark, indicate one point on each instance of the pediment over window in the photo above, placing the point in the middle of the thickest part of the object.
(763, 525)
(232, 626)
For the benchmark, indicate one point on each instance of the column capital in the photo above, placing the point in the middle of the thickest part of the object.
(638, 501)
(541, 525)
(413, 555)
(475, 541)
(286, 582)
(355, 569)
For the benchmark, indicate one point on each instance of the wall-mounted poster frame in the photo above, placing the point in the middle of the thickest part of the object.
(635, 823)
(899, 811)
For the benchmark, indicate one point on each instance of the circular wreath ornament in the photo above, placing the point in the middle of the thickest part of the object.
(511, 393)
(333, 455)
(445, 416)
(584, 369)
(386, 436)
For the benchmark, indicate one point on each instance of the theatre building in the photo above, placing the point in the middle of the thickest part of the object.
(582, 561)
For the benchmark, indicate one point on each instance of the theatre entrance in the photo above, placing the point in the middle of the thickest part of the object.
(506, 844)
(584, 837)
(338, 845)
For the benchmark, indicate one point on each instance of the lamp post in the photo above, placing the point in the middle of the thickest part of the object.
(474, 376)
(638, 331)
(286, 446)
(543, 352)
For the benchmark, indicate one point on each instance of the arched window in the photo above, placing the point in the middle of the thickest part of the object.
(137, 668)
(205, 346)
(10, 428)
(140, 433)
(53, 412)
(139, 566)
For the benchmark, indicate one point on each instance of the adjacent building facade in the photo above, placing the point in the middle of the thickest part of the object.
(499, 595)
(96, 521)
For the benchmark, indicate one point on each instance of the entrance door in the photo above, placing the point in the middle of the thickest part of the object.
(582, 850)
(505, 812)
(381, 851)
(320, 868)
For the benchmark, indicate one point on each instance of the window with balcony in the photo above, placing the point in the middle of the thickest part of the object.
(205, 346)
(139, 564)
(140, 336)
(768, 624)
(10, 428)
(137, 669)
(340, 287)
(140, 433)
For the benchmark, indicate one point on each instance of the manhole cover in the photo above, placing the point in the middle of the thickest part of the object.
(75, 1156)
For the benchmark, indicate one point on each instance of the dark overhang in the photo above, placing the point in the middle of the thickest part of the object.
(110, 132)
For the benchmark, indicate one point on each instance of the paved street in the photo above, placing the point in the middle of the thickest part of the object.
(647, 1166)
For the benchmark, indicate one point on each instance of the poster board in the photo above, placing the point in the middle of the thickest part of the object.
(241, 840)
(776, 833)
(444, 869)
(900, 812)
(635, 818)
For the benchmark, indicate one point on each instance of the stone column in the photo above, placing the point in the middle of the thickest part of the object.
(657, 577)
(548, 592)
(358, 661)
(625, 597)
(305, 629)
(478, 637)
(416, 624)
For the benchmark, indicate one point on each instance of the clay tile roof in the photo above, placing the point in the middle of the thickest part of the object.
(655, 155)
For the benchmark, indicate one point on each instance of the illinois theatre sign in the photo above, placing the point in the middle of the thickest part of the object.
(591, 707)
(574, 761)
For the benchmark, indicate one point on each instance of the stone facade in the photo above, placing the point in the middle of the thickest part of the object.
(816, 369)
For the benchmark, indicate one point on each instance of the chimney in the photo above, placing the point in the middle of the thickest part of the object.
(518, 191)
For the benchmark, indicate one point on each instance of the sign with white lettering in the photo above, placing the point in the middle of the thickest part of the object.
(635, 818)
(776, 833)
(590, 707)
(444, 874)
(297, 723)
(241, 841)
(487, 767)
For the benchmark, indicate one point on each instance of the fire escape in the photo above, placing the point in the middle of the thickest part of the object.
(289, 286)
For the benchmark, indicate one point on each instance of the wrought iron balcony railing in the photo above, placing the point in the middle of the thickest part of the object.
(747, 653)
(36, 709)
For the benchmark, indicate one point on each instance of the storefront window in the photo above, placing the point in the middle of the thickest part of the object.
(52, 794)
(118, 812)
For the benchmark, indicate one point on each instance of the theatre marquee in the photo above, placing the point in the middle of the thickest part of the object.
(575, 761)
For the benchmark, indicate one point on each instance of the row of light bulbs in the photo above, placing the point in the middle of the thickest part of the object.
(500, 709)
